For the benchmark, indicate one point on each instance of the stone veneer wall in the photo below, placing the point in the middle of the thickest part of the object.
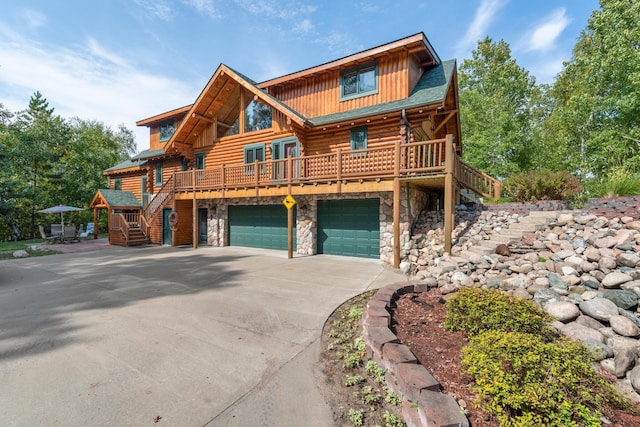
(412, 200)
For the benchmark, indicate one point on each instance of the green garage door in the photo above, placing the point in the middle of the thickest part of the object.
(263, 226)
(349, 227)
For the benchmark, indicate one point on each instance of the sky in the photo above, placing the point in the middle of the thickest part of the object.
(120, 61)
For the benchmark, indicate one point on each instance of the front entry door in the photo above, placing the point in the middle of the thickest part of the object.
(283, 149)
(202, 225)
(166, 229)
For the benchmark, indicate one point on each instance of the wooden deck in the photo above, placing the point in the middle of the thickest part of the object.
(424, 163)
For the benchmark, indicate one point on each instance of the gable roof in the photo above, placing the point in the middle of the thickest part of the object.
(417, 44)
(114, 199)
(203, 111)
(431, 89)
(176, 113)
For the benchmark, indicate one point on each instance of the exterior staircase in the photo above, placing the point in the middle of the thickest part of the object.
(528, 224)
(136, 236)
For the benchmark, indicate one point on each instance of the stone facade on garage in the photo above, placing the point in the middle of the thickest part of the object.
(412, 200)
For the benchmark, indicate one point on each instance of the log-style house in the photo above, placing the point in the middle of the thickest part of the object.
(336, 159)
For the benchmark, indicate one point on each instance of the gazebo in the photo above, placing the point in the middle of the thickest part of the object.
(124, 211)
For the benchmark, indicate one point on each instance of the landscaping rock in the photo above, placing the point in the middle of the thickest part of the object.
(599, 309)
(563, 311)
(615, 279)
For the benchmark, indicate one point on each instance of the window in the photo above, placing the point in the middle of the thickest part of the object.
(359, 81)
(359, 138)
(117, 184)
(143, 191)
(257, 116)
(158, 173)
(200, 161)
(253, 153)
(166, 130)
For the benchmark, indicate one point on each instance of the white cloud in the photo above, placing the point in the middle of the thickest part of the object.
(544, 36)
(275, 9)
(156, 9)
(485, 14)
(304, 26)
(204, 6)
(34, 18)
(87, 81)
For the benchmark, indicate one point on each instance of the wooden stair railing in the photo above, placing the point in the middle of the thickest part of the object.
(476, 180)
(129, 226)
(162, 197)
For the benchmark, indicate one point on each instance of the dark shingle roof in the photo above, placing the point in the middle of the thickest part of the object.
(146, 154)
(119, 198)
(125, 165)
(430, 89)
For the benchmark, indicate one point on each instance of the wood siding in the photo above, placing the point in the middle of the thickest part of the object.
(154, 134)
(184, 233)
(378, 132)
(319, 95)
(129, 182)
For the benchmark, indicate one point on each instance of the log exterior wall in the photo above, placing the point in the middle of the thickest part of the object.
(319, 95)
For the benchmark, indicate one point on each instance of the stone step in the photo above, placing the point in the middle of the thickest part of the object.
(505, 238)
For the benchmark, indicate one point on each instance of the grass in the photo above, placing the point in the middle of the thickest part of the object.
(7, 248)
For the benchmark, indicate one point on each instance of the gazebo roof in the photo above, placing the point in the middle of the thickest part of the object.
(114, 199)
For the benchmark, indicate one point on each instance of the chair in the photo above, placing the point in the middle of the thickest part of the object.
(69, 233)
(86, 234)
(45, 238)
(56, 230)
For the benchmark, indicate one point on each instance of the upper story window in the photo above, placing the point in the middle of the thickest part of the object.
(158, 173)
(199, 160)
(117, 184)
(166, 130)
(359, 81)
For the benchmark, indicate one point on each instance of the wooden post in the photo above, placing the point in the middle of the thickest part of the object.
(194, 214)
(290, 232)
(289, 175)
(396, 206)
(95, 223)
(396, 222)
(339, 170)
(497, 189)
(174, 209)
(448, 193)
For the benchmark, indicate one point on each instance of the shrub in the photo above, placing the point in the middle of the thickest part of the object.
(476, 310)
(542, 185)
(619, 183)
(526, 381)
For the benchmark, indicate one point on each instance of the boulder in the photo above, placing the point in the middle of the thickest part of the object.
(599, 308)
(563, 311)
(628, 259)
(624, 327)
(582, 333)
(623, 299)
(20, 253)
(615, 279)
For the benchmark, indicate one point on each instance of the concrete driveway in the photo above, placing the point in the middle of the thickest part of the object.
(170, 336)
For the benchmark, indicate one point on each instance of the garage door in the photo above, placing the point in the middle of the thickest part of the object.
(349, 227)
(262, 226)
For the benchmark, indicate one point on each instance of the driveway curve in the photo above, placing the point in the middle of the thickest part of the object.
(170, 336)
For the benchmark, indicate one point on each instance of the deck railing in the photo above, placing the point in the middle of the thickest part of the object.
(405, 160)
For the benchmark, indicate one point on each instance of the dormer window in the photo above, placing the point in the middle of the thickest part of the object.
(359, 81)
(166, 130)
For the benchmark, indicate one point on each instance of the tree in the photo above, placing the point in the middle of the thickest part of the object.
(8, 182)
(36, 139)
(499, 108)
(597, 94)
(92, 147)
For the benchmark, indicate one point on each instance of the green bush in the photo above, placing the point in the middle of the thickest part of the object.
(618, 183)
(542, 185)
(477, 310)
(525, 381)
